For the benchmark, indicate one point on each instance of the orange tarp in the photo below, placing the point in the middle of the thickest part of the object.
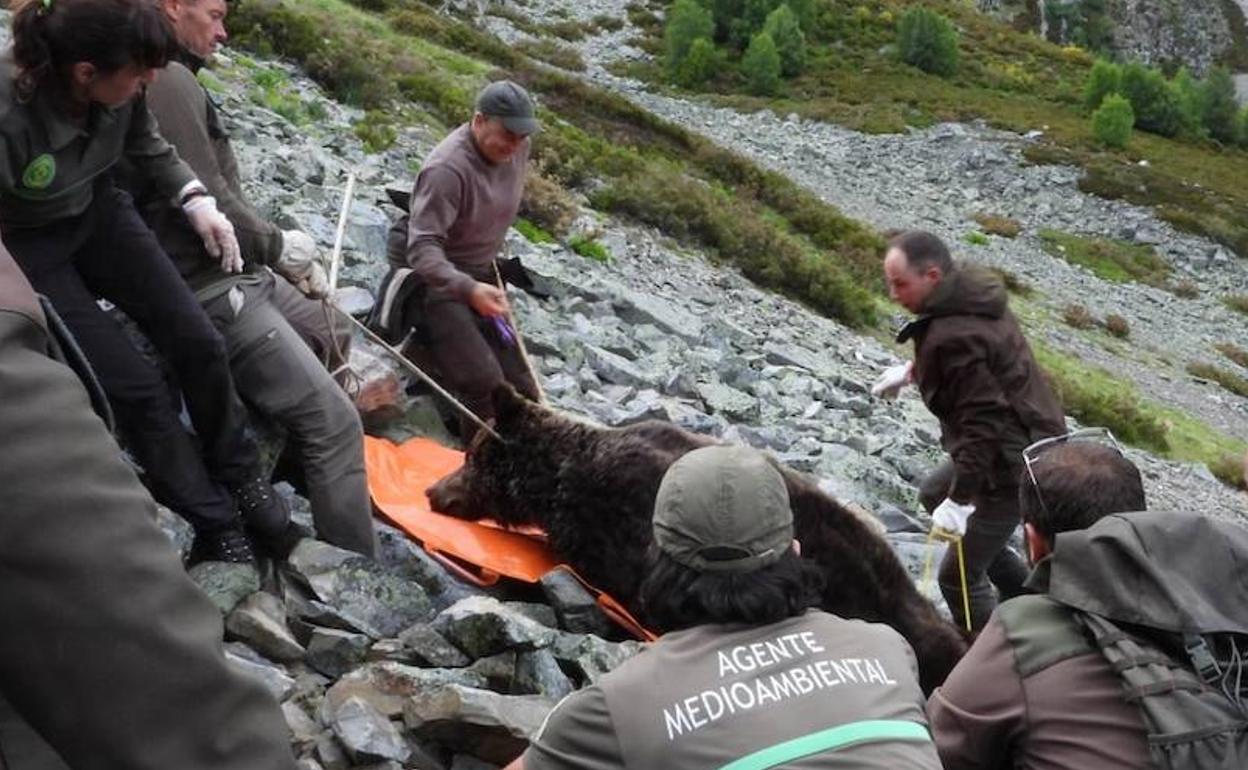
(478, 551)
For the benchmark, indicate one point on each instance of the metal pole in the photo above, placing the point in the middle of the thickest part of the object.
(335, 259)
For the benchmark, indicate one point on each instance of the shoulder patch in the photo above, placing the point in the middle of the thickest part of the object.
(39, 172)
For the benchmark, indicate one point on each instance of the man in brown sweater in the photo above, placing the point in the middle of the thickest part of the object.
(279, 335)
(976, 373)
(465, 197)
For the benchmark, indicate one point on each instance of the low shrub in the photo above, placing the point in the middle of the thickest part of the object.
(1111, 260)
(1078, 316)
(1229, 380)
(998, 225)
(1233, 352)
(927, 40)
(376, 131)
(1013, 284)
(608, 23)
(546, 204)
(1186, 288)
(1237, 302)
(561, 56)
(1113, 121)
(532, 232)
(589, 248)
(976, 238)
(1117, 326)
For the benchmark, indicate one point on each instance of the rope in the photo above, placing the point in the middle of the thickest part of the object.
(524, 353)
(939, 534)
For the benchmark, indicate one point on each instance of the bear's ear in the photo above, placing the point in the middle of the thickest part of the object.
(508, 405)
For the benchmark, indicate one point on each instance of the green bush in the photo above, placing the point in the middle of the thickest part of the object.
(1154, 101)
(785, 29)
(532, 232)
(1104, 79)
(976, 238)
(928, 41)
(1242, 127)
(1220, 106)
(1191, 97)
(687, 22)
(376, 131)
(699, 65)
(1112, 122)
(761, 65)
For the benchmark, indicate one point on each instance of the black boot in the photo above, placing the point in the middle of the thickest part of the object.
(229, 544)
(264, 512)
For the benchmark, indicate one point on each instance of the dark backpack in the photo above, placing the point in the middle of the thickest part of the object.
(1192, 690)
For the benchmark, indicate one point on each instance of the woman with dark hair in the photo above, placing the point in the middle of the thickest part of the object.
(746, 675)
(72, 105)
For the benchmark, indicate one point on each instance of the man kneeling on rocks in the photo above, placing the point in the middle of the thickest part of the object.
(746, 675)
(444, 282)
(1136, 592)
(279, 337)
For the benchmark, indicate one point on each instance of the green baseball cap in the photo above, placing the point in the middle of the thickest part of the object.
(511, 104)
(723, 509)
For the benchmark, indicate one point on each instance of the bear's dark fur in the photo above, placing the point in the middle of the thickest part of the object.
(593, 489)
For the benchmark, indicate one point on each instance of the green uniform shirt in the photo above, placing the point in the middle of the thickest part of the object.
(814, 691)
(48, 163)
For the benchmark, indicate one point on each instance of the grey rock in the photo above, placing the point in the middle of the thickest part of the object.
(366, 733)
(575, 607)
(640, 308)
(617, 369)
(432, 649)
(377, 601)
(225, 584)
(357, 301)
(535, 611)
(409, 560)
(331, 754)
(791, 355)
(538, 673)
(177, 529)
(275, 678)
(489, 726)
(260, 621)
(386, 685)
(303, 729)
(483, 626)
(308, 763)
(390, 649)
(465, 762)
(728, 401)
(589, 657)
(334, 652)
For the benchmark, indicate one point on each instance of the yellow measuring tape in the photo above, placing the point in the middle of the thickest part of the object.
(949, 537)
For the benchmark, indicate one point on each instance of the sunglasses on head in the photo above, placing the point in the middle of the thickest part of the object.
(1032, 453)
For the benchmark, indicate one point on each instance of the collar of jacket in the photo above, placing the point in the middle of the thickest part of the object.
(189, 60)
(60, 129)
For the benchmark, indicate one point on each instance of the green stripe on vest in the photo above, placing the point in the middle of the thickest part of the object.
(1041, 633)
(868, 731)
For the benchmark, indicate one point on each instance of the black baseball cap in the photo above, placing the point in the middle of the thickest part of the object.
(511, 104)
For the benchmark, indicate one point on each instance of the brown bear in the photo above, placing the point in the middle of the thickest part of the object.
(592, 489)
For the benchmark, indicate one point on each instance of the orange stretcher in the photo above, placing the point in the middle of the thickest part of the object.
(479, 552)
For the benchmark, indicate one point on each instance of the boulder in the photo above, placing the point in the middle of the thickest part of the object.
(484, 724)
(260, 622)
(226, 584)
(482, 626)
(366, 733)
(334, 653)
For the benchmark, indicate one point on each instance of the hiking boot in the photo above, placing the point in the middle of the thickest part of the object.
(228, 544)
(263, 510)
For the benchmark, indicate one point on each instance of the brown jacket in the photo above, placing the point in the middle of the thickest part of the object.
(977, 375)
(1070, 715)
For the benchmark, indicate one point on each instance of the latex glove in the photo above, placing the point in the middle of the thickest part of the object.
(217, 232)
(300, 264)
(489, 301)
(951, 516)
(893, 379)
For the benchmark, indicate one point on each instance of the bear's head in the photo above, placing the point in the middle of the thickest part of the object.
(507, 478)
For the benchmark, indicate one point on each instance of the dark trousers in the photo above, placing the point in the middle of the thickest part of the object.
(988, 561)
(280, 343)
(472, 360)
(108, 252)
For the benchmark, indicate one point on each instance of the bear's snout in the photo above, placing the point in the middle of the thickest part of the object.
(447, 496)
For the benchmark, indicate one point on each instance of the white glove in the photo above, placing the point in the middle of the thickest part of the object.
(216, 230)
(300, 264)
(952, 516)
(893, 380)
